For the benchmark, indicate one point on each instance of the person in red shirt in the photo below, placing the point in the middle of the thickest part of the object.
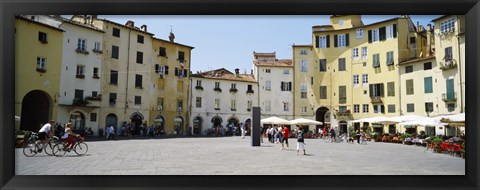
(285, 137)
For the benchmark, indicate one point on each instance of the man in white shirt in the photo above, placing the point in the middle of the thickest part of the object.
(44, 133)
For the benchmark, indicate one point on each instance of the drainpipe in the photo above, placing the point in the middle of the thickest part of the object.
(128, 71)
(293, 82)
(460, 73)
(189, 112)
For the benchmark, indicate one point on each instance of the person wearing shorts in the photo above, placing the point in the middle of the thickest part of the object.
(300, 142)
(44, 132)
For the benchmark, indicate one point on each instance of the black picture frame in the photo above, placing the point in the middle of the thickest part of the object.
(9, 9)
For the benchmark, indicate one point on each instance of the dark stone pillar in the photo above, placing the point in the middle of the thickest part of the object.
(256, 126)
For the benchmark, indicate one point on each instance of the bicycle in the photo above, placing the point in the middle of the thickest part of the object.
(34, 145)
(327, 138)
(79, 147)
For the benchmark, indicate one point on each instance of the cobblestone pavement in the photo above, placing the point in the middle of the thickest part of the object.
(236, 156)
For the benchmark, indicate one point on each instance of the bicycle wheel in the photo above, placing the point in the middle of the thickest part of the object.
(81, 148)
(58, 149)
(326, 139)
(30, 150)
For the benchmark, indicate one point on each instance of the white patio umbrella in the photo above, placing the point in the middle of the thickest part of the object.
(401, 119)
(454, 118)
(371, 119)
(423, 122)
(275, 120)
(303, 121)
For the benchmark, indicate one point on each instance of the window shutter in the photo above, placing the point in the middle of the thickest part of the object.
(394, 30)
(328, 41)
(383, 33)
(381, 90)
(176, 71)
(185, 72)
(383, 108)
(369, 36)
(317, 42)
(370, 90)
(289, 86)
(156, 68)
(166, 70)
(335, 41)
(346, 39)
(281, 86)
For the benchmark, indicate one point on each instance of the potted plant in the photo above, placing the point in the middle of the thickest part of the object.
(437, 142)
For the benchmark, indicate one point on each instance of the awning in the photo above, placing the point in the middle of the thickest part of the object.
(178, 119)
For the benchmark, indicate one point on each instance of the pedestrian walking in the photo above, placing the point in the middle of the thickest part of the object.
(332, 135)
(242, 127)
(285, 137)
(300, 142)
(358, 136)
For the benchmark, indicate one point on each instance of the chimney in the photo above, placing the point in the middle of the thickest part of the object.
(251, 72)
(237, 72)
(144, 28)
(130, 24)
(429, 40)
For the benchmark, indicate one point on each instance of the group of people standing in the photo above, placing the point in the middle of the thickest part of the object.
(280, 134)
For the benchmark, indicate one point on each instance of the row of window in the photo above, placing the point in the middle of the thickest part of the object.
(217, 86)
(285, 71)
(139, 58)
(342, 40)
(233, 104)
(116, 33)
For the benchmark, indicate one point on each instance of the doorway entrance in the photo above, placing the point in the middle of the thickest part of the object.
(36, 110)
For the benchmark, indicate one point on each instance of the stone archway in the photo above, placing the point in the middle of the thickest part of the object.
(137, 120)
(36, 110)
(322, 116)
(233, 125)
(77, 119)
(178, 124)
(111, 120)
(197, 125)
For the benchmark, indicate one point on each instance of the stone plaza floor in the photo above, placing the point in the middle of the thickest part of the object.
(236, 156)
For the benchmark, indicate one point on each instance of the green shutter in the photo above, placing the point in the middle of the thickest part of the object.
(376, 60)
(317, 42)
(390, 58)
(428, 84)
(450, 89)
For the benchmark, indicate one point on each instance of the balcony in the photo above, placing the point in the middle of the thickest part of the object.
(233, 90)
(250, 91)
(449, 98)
(217, 89)
(97, 51)
(345, 115)
(82, 51)
(199, 87)
(376, 100)
(448, 64)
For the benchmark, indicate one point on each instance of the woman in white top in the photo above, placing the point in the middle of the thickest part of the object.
(68, 136)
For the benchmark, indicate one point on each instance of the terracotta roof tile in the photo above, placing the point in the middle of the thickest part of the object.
(224, 74)
(274, 63)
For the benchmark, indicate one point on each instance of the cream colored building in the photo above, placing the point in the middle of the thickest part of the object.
(275, 85)
(222, 98)
(350, 71)
(132, 87)
(38, 60)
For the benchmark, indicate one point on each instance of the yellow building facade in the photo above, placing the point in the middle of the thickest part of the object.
(352, 70)
(38, 59)
(170, 99)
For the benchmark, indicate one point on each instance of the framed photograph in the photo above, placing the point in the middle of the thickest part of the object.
(174, 83)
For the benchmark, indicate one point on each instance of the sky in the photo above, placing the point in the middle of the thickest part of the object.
(229, 41)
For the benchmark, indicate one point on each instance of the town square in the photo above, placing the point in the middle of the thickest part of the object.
(358, 95)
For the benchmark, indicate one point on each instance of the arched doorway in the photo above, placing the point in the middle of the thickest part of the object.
(197, 125)
(111, 120)
(178, 124)
(248, 126)
(137, 120)
(36, 110)
(232, 126)
(322, 116)
(78, 121)
(159, 122)
(217, 120)
(342, 127)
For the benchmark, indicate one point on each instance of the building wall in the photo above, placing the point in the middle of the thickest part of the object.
(445, 40)
(333, 78)
(165, 86)
(207, 110)
(70, 82)
(275, 95)
(27, 49)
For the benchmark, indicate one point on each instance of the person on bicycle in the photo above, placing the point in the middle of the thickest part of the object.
(44, 133)
(68, 136)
